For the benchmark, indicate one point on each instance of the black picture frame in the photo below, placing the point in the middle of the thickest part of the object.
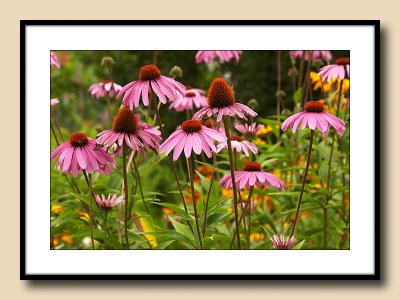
(377, 247)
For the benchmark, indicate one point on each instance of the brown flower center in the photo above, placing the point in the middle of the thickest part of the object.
(149, 72)
(190, 94)
(125, 121)
(252, 166)
(191, 126)
(78, 139)
(220, 94)
(313, 106)
(236, 138)
(341, 61)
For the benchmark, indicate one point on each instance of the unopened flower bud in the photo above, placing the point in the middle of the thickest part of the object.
(176, 72)
(252, 103)
(280, 94)
(107, 60)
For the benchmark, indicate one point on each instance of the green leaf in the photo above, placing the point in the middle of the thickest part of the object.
(204, 182)
(182, 229)
(164, 245)
(297, 95)
(323, 171)
(299, 245)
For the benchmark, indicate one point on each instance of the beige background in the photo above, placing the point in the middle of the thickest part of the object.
(13, 11)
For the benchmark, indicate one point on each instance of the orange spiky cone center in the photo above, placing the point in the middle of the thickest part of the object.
(191, 126)
(149, 72)
(252, 166)
(220, 94)
(341, 61)
(314, 106)
(125, 121)
(78, 139)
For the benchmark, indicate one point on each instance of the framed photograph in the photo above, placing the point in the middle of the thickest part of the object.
(200, 150)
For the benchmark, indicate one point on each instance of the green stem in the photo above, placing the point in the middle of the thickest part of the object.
(110, 117)
(232, 168)
(249, 223)
(91, 220)
(191, 178)
(303, 183)
(126, 193)
(53, 113)
(171, 163)
(278, 87)
(242, 217)
(208, 197)
(140, 184)
(106, 234)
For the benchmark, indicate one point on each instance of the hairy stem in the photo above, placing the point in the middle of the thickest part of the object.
(232, 168)
(303, 183)
(126, 193)
(196, 216)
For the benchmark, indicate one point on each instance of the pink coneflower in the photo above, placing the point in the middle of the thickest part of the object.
(54, 60)
(249, 130)
(315, 54)
(80, 153)
(340, 70)
(281, 243)
(193, 98)
(221, 101)
(223, 56)
(239, 145)
(252, 175)
(108, 202)
(54, 101)
(313, 117)
(126, 128)
(103, 88)
(150, 80)
(192, 136)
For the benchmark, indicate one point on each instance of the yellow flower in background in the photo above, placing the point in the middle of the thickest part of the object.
(317, 83)
(345, 87)
(147, 227)
(57, 209)
(265, 130)
(276, 172)
(259, 141)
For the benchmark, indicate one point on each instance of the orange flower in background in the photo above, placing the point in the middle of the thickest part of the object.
(343, 105)
(305, 214)
(63, 237)
(227, 193)
(168, 211)
(347, 200)
(257, 236)
(83, 215)
(188, 197)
